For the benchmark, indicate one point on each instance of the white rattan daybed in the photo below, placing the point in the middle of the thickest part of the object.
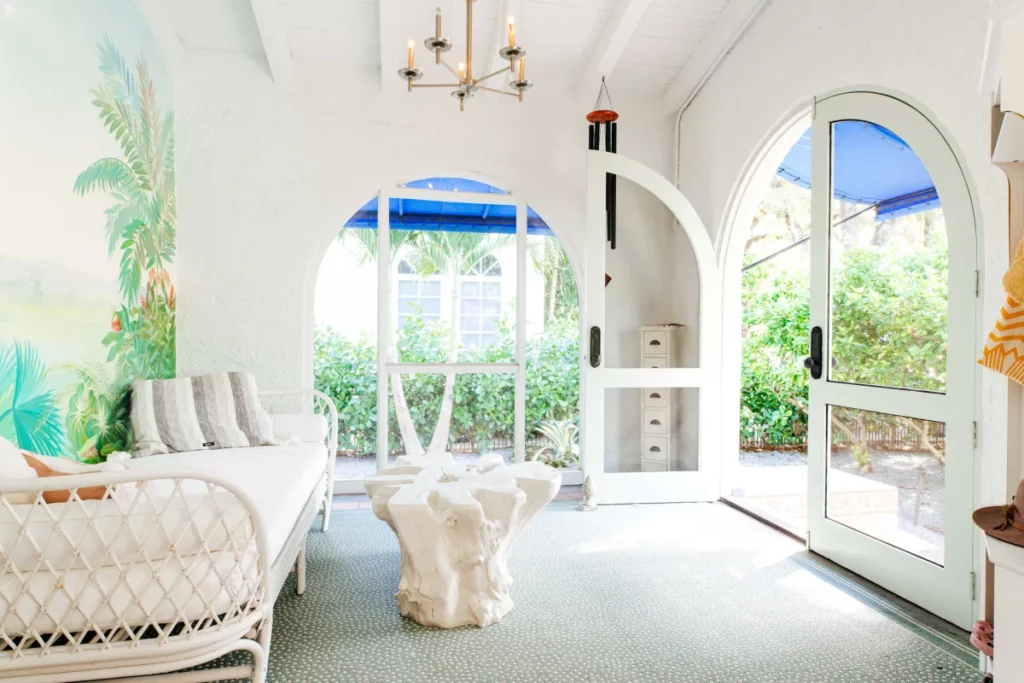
(179, 565)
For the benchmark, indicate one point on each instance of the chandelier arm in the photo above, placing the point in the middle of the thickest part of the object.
(492, 75)
(500, 92)
(435, 85)
(449, 67)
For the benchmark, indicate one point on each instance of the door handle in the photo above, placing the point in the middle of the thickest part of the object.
(813, 362)
(595, 346)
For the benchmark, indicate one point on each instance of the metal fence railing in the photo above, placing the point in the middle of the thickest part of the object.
(876, 437)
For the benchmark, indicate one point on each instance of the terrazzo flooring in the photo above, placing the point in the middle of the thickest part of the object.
(680, 593)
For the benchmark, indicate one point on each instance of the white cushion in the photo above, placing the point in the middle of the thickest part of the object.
(299, 427)
(13, 466)
(279, 479)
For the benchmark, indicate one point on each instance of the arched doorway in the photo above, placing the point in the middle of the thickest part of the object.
(447, 311)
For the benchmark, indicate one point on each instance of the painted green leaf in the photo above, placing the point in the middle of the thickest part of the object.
(29, 414)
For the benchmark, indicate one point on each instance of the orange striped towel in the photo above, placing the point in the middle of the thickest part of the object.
(1004, 349)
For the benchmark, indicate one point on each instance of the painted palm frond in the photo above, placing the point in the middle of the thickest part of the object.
(29, 413)
(116, 73)
(105, 175)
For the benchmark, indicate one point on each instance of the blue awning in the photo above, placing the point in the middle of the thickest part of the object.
(422, 214)
(871, 166)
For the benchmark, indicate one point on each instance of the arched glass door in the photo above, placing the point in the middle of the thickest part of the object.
(891, 417)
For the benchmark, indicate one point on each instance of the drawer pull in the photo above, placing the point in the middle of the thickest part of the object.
(655, 342)
(655, 449)
(655, 395)
(656, 422)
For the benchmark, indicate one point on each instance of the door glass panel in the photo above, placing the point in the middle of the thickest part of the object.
(480, 420)
(888, 264)
(652, 429)
(651, 279)
(886, 478)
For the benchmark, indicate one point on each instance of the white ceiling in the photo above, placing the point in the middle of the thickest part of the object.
(562, 37)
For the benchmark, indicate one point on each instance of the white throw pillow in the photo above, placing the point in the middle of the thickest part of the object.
(13, 466)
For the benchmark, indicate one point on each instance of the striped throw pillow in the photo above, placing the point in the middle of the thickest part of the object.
(220, 410)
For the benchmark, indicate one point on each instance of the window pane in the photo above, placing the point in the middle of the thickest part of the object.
(401, 321)
(408, 288)
(471, 341)
(490, 324)
(471, 289)
(488, 339)
(471, 305)
(431, 306)
(431, 287)
(470, 323)
(888, 268)
(492, 307)
(492, 289)
(886, 478)
(405, 305)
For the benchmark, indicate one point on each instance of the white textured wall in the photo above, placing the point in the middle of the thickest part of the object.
(930, 50)
(266, 179)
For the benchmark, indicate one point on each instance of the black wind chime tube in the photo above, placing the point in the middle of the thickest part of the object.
(595, 136)
(610, 145)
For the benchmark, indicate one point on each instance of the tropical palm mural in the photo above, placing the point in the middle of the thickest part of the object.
(88, 417)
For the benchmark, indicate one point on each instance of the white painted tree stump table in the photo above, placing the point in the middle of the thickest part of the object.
(455, 525)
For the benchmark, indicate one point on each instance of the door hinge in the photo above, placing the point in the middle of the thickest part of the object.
(974, 434)
(974, 586)
(977, 284)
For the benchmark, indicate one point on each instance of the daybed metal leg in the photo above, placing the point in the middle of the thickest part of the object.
(327, 513)
(261, 655)
(300, 570)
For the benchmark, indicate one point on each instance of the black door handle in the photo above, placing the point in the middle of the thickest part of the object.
(813, 362)
(595, 346)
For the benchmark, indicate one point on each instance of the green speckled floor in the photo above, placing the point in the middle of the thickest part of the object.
(674, 593)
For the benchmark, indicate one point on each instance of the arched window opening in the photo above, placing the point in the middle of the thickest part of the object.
(455, 299)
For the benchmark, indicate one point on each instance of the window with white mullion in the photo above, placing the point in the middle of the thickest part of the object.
(480, 303)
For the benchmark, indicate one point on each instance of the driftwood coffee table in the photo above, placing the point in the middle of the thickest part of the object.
(455, 525)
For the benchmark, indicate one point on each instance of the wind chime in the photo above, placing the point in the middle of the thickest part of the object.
(607, 116)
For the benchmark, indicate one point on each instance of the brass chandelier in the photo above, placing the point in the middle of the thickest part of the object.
(467, 85)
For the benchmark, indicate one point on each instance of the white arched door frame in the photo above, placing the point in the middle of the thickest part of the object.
(635, 487)
(946, 590)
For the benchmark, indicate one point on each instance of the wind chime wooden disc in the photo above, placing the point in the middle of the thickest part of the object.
(602, 116)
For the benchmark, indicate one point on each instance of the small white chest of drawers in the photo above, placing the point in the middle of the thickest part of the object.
(661, 346)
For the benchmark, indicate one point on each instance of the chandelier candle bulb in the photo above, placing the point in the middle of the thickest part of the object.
(511, 31)
(522, 68)
(412, 56)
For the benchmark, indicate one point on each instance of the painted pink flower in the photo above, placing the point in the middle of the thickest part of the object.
(115, 324)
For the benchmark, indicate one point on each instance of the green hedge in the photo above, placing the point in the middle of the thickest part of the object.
(346, 370)
(888, 327)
